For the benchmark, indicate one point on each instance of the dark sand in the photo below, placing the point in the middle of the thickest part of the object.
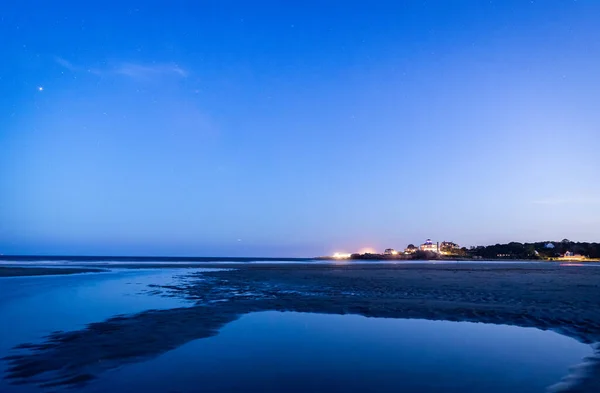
(6, 271)
(545, 296)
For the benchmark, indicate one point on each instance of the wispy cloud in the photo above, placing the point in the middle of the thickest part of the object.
(143, 71)
(589, 200)
(138, 71)
(66, 64)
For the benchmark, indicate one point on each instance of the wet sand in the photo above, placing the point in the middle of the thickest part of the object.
(564, 299)
(7, 271)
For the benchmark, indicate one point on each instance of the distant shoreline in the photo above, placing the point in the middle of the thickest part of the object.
(10, 271)
(383, 258)
(369, 258)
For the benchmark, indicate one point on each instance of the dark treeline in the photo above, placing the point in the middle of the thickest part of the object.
(539, 250)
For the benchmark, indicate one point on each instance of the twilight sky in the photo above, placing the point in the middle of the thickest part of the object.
(269, 129)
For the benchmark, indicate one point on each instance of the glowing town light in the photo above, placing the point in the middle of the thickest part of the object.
(341, 255)
(367, 250)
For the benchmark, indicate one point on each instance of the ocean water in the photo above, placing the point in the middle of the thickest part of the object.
(292, 352)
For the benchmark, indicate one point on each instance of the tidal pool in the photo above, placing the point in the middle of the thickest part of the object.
(296, 352)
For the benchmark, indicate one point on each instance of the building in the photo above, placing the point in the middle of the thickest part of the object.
(549, 246)
(390, 251)
(571, 256)
(429, 246)
(411, 249)
(449, 248)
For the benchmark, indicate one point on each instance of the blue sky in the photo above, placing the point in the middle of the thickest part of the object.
(278, 129)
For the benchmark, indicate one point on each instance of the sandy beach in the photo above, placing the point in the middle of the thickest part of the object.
(546, 296)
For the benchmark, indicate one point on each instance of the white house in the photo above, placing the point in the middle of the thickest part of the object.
(429, 246)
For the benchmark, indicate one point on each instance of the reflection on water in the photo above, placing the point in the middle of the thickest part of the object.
(292, 352)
